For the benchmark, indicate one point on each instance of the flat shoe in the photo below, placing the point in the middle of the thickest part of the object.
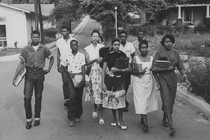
(123, 127)
(113, 124)
(172, 132)
(101, 121)
(165, 124)
(94, 114)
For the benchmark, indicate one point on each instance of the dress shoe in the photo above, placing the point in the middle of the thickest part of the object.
(71, 123)
(36, 122)
(28, 124)
(123, 127)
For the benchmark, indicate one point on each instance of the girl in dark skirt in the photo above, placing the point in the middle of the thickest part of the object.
(113, 84)
(166, 77)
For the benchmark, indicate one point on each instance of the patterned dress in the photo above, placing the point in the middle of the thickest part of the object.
(168, 80)
(93, 92)
(114, 97)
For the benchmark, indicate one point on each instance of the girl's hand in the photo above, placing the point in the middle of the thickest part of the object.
(99, 60)
(104, 88)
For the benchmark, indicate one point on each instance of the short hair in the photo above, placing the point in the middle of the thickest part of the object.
(65, 27)
(169, 36)
(143, 42)
(73, 41)
(115, 39)
(35, 32)
(123, 32)
(96, 31)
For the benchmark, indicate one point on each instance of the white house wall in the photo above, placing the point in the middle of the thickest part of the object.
(16, 28)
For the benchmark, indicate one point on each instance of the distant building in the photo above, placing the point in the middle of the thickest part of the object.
(16, 24)
(189, 14)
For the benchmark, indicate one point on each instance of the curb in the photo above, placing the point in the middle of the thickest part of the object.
(193, 100)
(52, 44)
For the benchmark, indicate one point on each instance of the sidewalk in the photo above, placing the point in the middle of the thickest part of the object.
(194, 100)
(52, 44)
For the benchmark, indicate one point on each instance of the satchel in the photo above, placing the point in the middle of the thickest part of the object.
(76, 79)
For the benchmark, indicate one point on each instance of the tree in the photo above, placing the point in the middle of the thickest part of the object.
(65, 12)
(103, 12)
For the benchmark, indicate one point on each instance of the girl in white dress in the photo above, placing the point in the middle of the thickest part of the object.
(93, 91)
(144, 86)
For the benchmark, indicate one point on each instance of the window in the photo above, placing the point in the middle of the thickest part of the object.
(188, 15)
(3, 36)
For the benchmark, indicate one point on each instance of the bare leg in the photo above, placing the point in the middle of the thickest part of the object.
(114, 115)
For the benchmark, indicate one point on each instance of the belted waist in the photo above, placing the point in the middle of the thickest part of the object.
(34, 69)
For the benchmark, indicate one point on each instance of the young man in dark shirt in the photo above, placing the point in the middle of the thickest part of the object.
(33, 57)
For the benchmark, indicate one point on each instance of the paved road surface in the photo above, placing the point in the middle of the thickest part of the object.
(189, 125)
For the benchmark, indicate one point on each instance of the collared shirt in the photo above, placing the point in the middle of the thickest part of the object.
(36, 58)
(75, 62)
(64, 48)
(128, 49)
(93, 52)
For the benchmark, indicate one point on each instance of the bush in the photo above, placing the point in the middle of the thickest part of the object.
(199, 77)
(201, 28)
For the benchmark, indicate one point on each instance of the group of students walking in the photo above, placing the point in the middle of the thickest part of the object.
(94, 76)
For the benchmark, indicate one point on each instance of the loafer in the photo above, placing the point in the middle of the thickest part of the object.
(94, 114)
(101, 121)
(36, 122)
(113, 124)
(123, 127)
(28, 124)
(71, 123)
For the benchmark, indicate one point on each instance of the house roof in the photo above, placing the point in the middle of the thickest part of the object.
(46, 8)
(15, 8)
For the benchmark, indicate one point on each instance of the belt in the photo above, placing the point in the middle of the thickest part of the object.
(34, 69)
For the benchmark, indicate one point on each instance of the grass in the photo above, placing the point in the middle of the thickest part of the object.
(9, 51)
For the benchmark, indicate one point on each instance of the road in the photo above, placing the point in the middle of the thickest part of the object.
(189, 125)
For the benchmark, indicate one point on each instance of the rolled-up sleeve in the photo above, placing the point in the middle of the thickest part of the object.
(22, 55)
(48, 53)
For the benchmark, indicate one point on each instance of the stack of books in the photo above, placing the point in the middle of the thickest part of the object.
(162, 64)
(137, 67)
(19, 74)
(122, 63)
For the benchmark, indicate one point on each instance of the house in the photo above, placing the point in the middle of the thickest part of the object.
(16, 25)
(190, 14)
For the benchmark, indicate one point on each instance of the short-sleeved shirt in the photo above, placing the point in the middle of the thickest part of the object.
(75, 62)
(128, 49)
(36, 58)
(93, 52)
(64, 48)
(172, 55)
(102, 53)
(111, 57)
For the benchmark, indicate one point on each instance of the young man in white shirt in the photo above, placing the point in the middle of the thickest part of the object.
(129, 50)
(63, 51)
(75, 67)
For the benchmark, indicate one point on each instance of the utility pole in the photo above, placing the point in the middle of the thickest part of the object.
(40, 21)
(36, 15)
(115, 13)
